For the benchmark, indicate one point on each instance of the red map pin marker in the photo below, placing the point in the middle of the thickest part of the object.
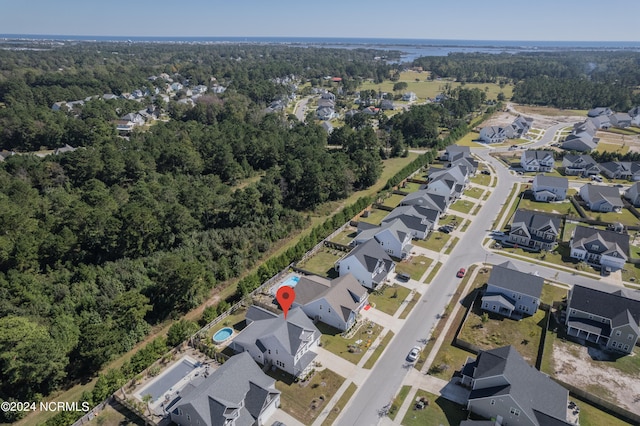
(285, 297)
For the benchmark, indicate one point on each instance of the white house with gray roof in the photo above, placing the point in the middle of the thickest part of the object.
(605, 314)
(537, 161)
(629, 170)
(633, 194)
(600, 247)
(238, 393)
(334, 302)
(601, 198)
(512, 293)
(393, 236)
(550, 188)
(368, 263)
(506, 388)
(534, 230)
(428, 199)
(579, 165)
(419, 220)
(271, 339)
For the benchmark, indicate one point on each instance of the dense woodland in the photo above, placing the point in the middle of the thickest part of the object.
(101, 243)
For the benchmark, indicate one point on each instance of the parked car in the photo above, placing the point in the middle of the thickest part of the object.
(403, 276)
(530, 180)
(498, 233)
(413, 354)
(445, 229)
(461, 272)
(485, 172)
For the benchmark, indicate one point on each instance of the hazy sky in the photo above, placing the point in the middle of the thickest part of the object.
(584, 20)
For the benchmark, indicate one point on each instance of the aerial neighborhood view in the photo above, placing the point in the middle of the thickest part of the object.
(259, 214)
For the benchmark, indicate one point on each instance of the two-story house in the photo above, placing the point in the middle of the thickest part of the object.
(428, 199)
(629, 170)
(550, 188)
(505, 388)
(534, 230)
(368, 263)
(600, 247)
(334, 302)
(579, 165)
(633, 194)
(537, 161)
(393, 236)
(512, 293)
(237, 393)
(417, 219)
(271, 339)
(601, 198)
(605, 314)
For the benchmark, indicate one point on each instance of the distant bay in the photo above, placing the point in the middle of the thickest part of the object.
(411, 48)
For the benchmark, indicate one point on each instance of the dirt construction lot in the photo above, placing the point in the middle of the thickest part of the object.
(575, 364)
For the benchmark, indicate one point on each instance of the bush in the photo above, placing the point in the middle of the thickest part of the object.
(180, 331)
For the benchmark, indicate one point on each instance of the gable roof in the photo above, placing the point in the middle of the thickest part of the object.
(538, 221)
(237, 387)
(532, 390)
(552, 181)
(513, 280)
(597, 193)
(370, 255)
(619, 304)
(413, 217)
(609, 242)
(579, 144)
(343, 294)
(528, 156)
(426, 198)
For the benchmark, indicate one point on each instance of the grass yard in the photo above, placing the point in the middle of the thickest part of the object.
(433, 273)
(480, 179)
(499, 218)
(450, 219)
(435, 241)
(562, 207)
(342, 402)
(469, 140)
(322, 263)
(412, 303)
(558, 257)
(306, 401)
(612, 147)
(375, 216)
(345, 236)
(440, 411)
(474, 192)
(235, 321)
(551, 293)
(591, 416)
(624, 216)
(462, 206)
(398, 400)
(393, 201)
(388, 298)
(378, 350)
(112, 417)
(414, 266)
(452, 245)
(351, 349)
(498, 331)
(631, 273)
(411, 187)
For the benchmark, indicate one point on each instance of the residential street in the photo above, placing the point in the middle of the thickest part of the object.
(391, 370)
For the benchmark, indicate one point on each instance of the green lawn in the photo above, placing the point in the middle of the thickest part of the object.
(499, 218)
(306, 402)
(498, 331)
(345, 236)
(398, 400)
(433, 273)
(474, 192)
(631, 273)
(440, 411)
(351, 349)
(393, 201)
(414, 266)
(378, 350)
(625, 217)
(551, 293)
(462, 206)
(375, 216)
(560, 256)
(412, 303)
(468, 140)
(612, 147)
(235, 320)
(322, 262)
(435, 241)
(450, 219)
(411, 187)
(452, 245)
(388, 298)
(480, 179)
(591, 416)
(342, 402)
(562, 207)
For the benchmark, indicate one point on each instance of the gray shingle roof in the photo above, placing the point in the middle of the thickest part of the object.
(608, 241)
(603, 192)
(344, 293)
(517, 281)
(238, 381)
(553, 181)
(537, 221)
(607, 301)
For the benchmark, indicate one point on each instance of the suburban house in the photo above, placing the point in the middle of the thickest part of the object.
(620, 120)
(505, 388)
(629, 170)
(601, 198)
(393, 236)
(409, 97)
(601, 121)
(325, 113)
(237, 393)
(387, 105)
(335, 303)
(550, 188)
(512, 293)
(368, 263)
(521, 126)
(534, 230)
(579, 143)
(453, 152)
(580, 165)
(459, 174)
(537, 161)
(495, 134)
(634, 113)
(271, 339)
(64, 149)
(417, 219)
(607, 314)
(633, 194)
(600, 247)
(599, 111)
(428, 199)
(467, 162)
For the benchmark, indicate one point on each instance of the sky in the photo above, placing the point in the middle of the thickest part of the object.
(539, 20)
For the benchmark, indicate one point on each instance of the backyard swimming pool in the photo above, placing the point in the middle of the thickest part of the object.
(168, 381)
(222, 335)
(291, 281)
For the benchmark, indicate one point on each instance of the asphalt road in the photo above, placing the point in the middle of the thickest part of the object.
(390, 370)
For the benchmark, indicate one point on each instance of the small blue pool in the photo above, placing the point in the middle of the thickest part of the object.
(291, 281)
(222, 335)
